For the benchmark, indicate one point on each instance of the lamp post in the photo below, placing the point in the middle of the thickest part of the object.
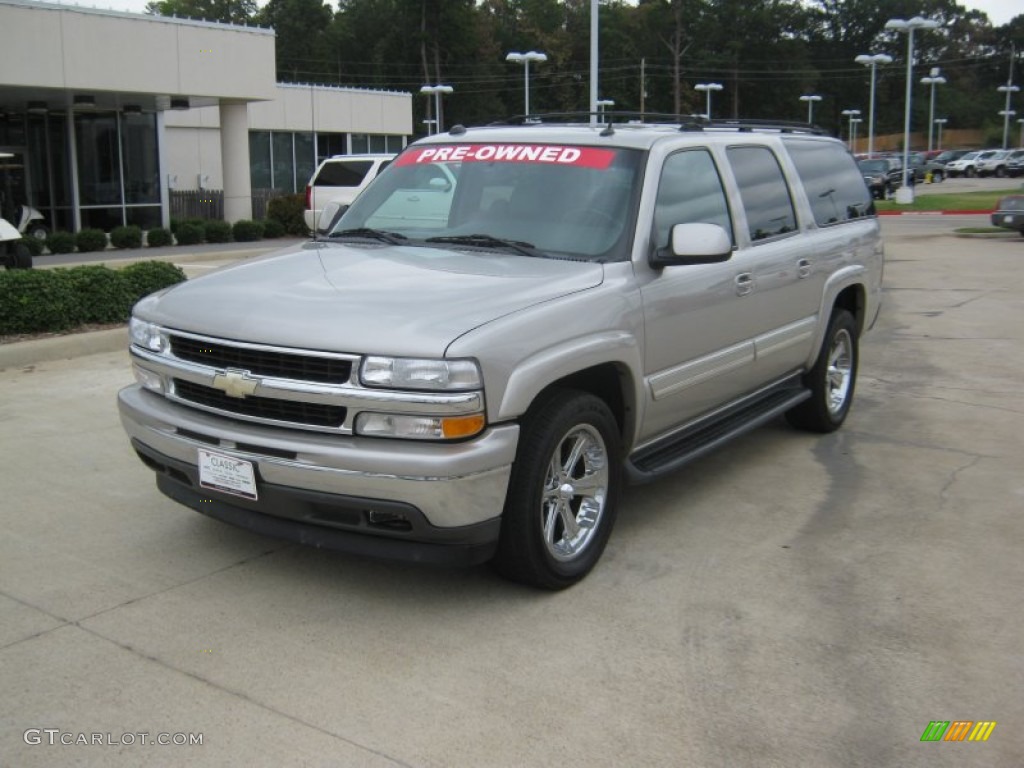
(850, 114)
(708, 88)
(1009, 89)
(810, 98)
(941, 123)
(853, 134)
(601, 104)
(1020, 122)
(933, 79)
(872, 60)
(437, 90)
(525, 59)
(905, 194)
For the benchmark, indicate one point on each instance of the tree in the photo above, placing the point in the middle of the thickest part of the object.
(229, 11)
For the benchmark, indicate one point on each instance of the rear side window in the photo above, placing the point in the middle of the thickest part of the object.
(343, 173)
(764, 192)
(834, 186)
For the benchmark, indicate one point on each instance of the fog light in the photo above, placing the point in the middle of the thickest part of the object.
(390, 520)
(149, 380)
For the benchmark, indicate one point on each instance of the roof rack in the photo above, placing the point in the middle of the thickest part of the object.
(684, 122)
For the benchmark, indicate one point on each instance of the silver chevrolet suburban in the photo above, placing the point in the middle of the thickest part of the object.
(510, 322)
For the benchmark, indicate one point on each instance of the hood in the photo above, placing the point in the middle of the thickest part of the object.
(378, 299)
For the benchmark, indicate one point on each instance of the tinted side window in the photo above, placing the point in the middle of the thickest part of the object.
(834, 186)
(343, 173)
(690, 190)
(763, 189)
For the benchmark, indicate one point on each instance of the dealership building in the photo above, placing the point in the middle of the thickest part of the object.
(106, 114)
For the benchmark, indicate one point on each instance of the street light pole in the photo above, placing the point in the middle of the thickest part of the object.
(708, 88)
(1009, 89)
(905, 194)
(933, 79)
(436, 91)
(810, 98)
(525, 59)
(940, 122)
(1020, 122)
(850, 114)
(872, 60)
(601, 104)
(853, 134)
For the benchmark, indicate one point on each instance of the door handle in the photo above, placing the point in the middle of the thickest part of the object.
(803, 268)
(744, 283)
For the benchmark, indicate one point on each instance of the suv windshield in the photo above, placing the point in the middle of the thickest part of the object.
(566, 201)
(873, 166)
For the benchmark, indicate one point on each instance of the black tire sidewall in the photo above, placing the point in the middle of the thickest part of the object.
(522, 555)
(814, 414)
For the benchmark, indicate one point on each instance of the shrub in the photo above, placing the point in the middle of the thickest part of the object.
(126, 237)
(37, 300)
(158, 237)
(61, 242)
(272, 229)
(288, 210)
(145, 277)
(189, 233)
(175, 223)
(90, 240)
(34, 244)
(246, 231)
(217, 231)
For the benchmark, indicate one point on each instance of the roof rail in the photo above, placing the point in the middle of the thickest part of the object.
(684, 122)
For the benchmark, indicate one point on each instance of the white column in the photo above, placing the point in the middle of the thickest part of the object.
(234, 154)
(164, 170)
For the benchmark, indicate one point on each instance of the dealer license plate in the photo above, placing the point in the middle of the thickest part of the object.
(227, 474)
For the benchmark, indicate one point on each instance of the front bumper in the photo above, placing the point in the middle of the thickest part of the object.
(320, 489)
(1008, 219)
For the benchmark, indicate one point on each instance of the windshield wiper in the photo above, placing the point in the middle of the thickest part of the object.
(488, 241)
(394, 238)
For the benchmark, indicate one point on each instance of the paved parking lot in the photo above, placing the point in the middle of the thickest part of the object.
(788, 601)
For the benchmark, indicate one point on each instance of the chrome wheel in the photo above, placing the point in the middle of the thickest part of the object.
(840, 371)
(575, 492)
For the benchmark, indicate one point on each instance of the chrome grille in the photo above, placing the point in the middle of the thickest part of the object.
(290, 411)
(262, 362)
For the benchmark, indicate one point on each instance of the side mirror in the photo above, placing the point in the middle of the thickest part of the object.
(694, 243)
(329, 216)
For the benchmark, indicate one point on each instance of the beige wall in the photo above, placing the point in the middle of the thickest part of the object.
(49, 46)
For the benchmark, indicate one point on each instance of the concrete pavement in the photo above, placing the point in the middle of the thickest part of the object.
(791, 600)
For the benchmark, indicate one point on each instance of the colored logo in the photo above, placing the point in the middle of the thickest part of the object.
(958, 730)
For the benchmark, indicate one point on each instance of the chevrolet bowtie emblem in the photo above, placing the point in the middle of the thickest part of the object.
(235, 383)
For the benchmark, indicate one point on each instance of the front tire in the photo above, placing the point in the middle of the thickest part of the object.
(563, 493)
(831, 380)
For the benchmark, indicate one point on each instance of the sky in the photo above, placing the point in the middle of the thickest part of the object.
(999, 11)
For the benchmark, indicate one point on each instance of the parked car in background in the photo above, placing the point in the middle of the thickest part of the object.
(339, 179)
(967, 165)
(882, 175)
(1015, 163)
(994, 164)
(1009, 213)
(947, 156)
(925, 169)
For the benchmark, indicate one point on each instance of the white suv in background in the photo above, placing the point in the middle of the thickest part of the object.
(339, 179)
(994, 164)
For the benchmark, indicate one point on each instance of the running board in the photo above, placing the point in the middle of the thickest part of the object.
(669, 454)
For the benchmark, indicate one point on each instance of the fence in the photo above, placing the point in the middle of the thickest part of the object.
(209, 203)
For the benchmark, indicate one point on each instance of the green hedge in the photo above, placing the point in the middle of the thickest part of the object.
(247, 231)
(288, 209)
(217, 231)
(91, 240)
(61, 242)
(159, 237)
(272, 229)
(43, 300)
(126, 237)
(189, 233)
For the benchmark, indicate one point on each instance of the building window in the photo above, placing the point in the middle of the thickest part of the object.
(376, 144)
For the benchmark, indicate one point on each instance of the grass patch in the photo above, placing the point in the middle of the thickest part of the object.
(962, 201)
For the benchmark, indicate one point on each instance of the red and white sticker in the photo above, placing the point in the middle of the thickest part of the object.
(550, 154)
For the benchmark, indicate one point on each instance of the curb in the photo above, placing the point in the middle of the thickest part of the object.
(21, 354)
(934, 213)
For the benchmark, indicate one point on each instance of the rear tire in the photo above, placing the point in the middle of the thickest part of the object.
(831, 380)
(563, 493)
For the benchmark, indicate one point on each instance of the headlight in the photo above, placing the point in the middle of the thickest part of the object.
(413, 373)
(147, 335)
(419, 427)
